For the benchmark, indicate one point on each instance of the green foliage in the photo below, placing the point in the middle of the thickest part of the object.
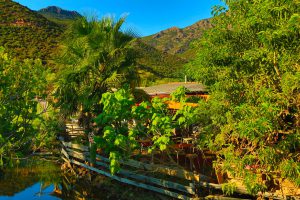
(40, 34)
(122, 124)
(63, 22)
(229, 188)
(21, 84)
(162, 56)
(176, 41)
(155, 65)
(179, 94)
(26, 34)
(250, 61)
(161, 125)
(291, 170)
(118, 136)
(96, 58)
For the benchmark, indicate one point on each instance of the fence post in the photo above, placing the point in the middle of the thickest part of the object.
(92, 149)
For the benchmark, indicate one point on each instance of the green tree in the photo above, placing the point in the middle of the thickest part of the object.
(21, 85)
(96, 58)
(250, 61)
(122, 124)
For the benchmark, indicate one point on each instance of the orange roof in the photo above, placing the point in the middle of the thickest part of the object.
(176, 105)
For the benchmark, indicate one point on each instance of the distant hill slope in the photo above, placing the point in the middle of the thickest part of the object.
(177, 41)
(157, 66)
(25, 33)
(36, 34)
(59, 15)
(164, 54)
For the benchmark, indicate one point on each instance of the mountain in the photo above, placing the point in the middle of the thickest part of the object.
(157, 66)
(176, 41)
(25, 33)
(164, 54)
(36, 34)
(59, 13)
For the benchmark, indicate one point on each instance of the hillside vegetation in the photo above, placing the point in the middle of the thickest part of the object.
(27, 34)
(177, 41)
(59, 15)
(36, 34)
(155, 65)
(164, 54)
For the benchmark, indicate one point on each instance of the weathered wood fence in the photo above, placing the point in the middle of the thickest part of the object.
(79, 155)
(141, 174)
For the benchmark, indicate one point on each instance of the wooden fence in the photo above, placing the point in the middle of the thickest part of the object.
(74, 130)
(141, 174)
(79, 155)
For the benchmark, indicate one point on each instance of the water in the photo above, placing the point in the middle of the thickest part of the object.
(33, 179)
(42, 180)
(34, 192)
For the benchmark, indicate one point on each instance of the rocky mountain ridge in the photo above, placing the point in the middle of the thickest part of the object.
(58, 12)
(176, 40)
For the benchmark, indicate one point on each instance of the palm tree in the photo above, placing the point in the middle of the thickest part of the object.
(97, 56)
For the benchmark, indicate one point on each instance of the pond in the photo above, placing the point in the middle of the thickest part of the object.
(32, 179)
(44, 180)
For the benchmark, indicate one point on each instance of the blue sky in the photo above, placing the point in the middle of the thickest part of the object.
(144, 16)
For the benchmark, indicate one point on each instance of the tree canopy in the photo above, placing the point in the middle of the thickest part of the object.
(22, 127)
(97, 57)
(250, 62)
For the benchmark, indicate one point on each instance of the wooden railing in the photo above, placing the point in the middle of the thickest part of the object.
(79, 155)
(74, 130)
(186, 187)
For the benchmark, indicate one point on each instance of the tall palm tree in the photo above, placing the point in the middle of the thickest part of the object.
(97, 56)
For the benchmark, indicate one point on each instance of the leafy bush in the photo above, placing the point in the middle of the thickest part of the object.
(21, 85)
(250, 62)
(123, 123)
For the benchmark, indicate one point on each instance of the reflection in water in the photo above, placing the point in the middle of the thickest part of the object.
(44, 180)
(36, 179)
(36, 191)
(32, 179)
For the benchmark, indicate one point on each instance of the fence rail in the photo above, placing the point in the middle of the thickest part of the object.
(79, 155)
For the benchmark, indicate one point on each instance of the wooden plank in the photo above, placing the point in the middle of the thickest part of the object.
(72, 131)
(66, 160)
(75, 131)
(131, 182)
(156, 181)
(75, 146)
(72, 125)
(75, 128)
(83, 156)
(75, 154)
(179, 173)
(76, 135)
(219, 187)
(63, 151)
(159, 182)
